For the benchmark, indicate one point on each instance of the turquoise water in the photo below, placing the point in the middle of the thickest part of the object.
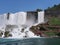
(30, 41)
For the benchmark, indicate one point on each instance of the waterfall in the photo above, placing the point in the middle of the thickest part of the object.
(18, 25)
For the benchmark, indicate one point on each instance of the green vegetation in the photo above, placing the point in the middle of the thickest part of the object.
(51, 28)
(50, 33)
(54, 21)
(54, 8)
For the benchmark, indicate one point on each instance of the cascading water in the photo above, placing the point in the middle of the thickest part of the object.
(17, 33)
(19, 25)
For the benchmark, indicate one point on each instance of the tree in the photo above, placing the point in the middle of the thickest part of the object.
(38, 10)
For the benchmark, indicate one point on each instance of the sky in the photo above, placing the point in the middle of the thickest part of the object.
(25, 5)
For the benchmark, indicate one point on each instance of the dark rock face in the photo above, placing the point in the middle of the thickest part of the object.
(7, 34)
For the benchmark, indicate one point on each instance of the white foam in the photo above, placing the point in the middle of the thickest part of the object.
(20, 19)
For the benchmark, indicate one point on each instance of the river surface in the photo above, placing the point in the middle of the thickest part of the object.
(30, 41)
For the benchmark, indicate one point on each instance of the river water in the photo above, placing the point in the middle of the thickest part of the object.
(30, 41)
